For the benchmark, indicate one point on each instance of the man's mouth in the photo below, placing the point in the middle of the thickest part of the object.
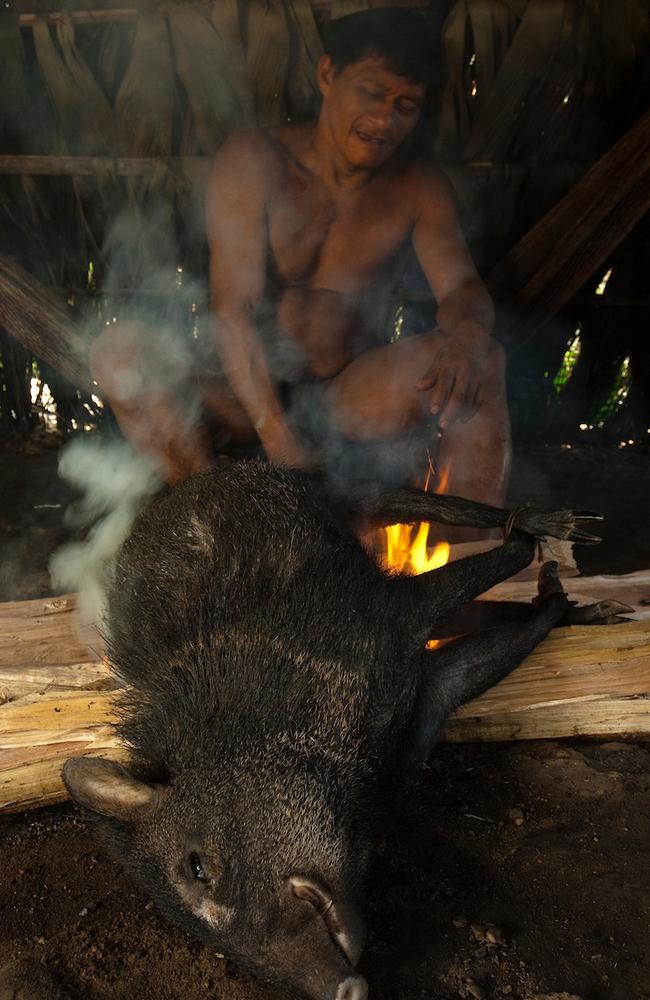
(377, 141)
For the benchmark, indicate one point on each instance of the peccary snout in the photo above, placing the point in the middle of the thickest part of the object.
(353, 988)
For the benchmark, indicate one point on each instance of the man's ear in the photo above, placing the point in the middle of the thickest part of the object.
(108, 788)
(325, 73)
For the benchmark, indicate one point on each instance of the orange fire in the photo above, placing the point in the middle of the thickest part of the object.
(407, 548)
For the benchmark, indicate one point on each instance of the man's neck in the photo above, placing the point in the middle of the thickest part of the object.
(326, 160)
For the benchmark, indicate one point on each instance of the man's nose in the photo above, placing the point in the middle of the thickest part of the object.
(383, 113)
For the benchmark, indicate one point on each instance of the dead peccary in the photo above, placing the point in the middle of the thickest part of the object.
(280, 701)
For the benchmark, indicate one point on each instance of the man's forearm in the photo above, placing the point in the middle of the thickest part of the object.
(242, 356)
(467, 313)
(244, 362)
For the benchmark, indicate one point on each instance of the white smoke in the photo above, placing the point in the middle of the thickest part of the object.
(115, 482)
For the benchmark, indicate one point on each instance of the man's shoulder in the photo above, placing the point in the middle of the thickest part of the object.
(243, 148)
(427, 183)
(257, 148)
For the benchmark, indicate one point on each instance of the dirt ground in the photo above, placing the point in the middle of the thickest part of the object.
(517, 871)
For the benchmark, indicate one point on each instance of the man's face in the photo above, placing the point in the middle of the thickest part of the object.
(368, 110)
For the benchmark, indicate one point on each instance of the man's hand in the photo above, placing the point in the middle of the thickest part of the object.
(454, 380)
(283, 447)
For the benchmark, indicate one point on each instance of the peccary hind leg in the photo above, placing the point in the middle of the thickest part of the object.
(430, 597)
(380, 505)
(466, 667)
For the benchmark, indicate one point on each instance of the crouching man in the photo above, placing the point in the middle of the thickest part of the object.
(303, 221)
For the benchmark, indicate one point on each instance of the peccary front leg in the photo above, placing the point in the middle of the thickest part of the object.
(466, 667)
(477, 615)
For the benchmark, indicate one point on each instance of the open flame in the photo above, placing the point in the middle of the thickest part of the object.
(407, 548)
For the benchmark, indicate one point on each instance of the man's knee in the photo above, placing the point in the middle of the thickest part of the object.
(496, 359)
(128, 360)
(116, 360)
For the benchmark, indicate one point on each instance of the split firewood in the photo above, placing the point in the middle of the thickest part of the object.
(59, 694)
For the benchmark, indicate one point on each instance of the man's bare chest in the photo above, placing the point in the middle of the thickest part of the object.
(337, 244)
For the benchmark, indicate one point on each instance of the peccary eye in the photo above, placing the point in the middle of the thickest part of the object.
(197, 868)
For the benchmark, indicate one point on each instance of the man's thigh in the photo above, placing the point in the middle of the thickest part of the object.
(375, 395)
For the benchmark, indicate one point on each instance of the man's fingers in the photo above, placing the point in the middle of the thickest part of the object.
(455, 404)
(441, 391)
(427, 381)
(473, 402)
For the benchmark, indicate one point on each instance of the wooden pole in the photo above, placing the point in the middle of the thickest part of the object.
(59, 695)
(193, 168)
(108, 14)
(39, 320)
(543, 272)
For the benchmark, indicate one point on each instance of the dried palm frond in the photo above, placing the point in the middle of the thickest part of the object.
(510, 66)
(267, 56)
(520, 78)
(25, 201)
(141, 242)
(203, 61)
(84, 114)
(87, 127)
(14, 106)
(476, 37)
(517, 75)
(224, 16)
(113, 45)
(307, 48)
(145, 101)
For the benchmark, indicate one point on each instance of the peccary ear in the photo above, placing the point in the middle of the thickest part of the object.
(107, 787)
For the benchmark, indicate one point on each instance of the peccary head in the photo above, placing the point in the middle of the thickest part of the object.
(261, 868)
(249, 830)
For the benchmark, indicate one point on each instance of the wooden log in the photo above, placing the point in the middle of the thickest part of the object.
(44, 647)
(559, 254)
(59, 695)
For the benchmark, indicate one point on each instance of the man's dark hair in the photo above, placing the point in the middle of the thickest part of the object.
(399, 37)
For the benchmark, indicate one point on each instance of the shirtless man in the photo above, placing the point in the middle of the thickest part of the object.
(301, 220)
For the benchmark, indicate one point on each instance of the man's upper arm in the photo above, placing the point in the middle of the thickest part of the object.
(437, 237)
(236, 224)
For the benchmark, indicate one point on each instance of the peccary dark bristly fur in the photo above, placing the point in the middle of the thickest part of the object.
(279, 702)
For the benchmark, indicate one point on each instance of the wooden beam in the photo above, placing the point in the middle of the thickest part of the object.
(193, 167)
(107, 13)
(59, 694)
(552, 262)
